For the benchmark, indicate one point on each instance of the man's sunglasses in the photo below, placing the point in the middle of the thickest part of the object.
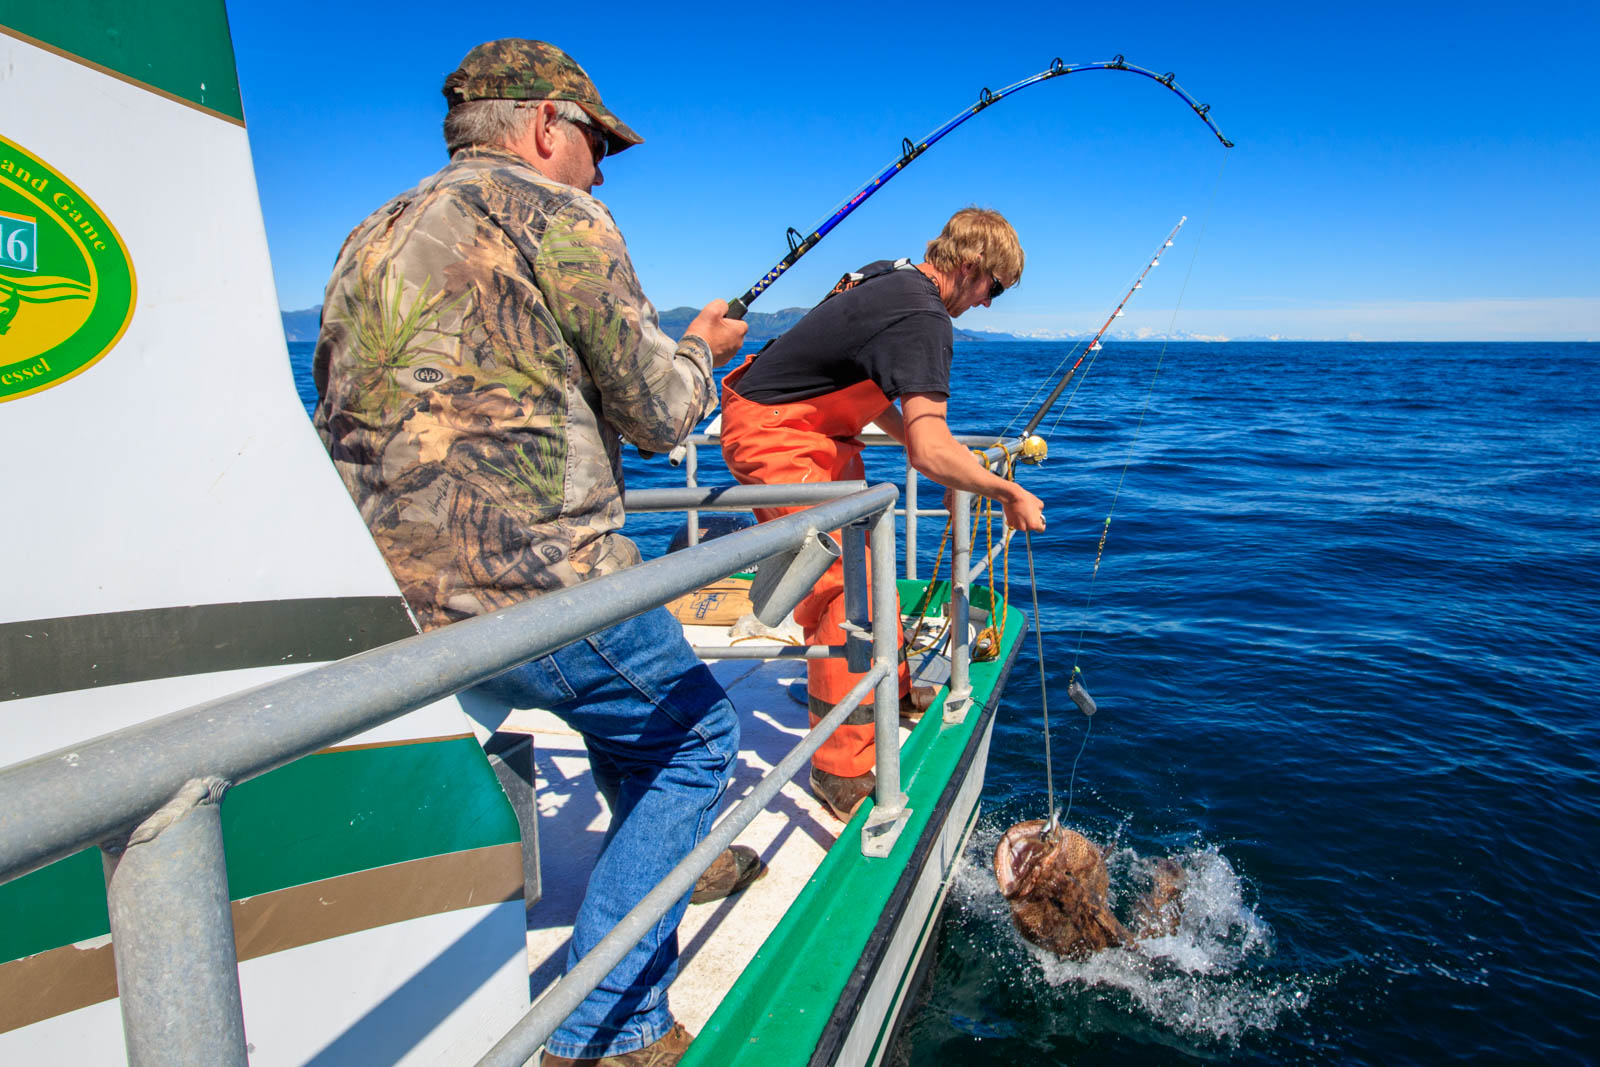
(996, 287)
(597, 140)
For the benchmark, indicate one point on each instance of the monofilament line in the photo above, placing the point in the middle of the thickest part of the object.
(1044, 692)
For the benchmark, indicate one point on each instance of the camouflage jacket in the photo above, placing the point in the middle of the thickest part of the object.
(485, 346)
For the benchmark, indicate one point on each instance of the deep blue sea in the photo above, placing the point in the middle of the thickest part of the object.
(1344, 642)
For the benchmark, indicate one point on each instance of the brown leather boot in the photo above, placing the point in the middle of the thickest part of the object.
(664, 1053)
(735, 869)
(842, 795)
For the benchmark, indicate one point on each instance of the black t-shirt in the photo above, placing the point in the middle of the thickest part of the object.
(890, 328)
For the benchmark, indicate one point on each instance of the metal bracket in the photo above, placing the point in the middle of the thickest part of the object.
(956, 706)
(857, 647)
(882, 830)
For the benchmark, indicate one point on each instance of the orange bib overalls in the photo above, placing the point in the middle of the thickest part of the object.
(813, 441)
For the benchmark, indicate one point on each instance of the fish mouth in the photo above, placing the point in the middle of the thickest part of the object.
(1017, 852)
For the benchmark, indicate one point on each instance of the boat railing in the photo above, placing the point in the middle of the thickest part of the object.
(995, 454)
(149, 795)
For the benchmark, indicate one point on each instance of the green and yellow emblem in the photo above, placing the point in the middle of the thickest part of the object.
(66, 283)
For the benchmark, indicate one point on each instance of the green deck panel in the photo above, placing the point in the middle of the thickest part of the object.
(775, 1013)
(181, 47)
(327, 814)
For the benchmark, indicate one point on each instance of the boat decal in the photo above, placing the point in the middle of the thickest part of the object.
(67, 287)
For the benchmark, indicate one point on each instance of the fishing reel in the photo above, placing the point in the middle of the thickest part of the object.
(1034, 450)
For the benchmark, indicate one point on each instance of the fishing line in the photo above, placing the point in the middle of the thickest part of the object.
(1079, 694)
(1043, 380)
(1139, 426)
(1072, 780)
(1044, 693)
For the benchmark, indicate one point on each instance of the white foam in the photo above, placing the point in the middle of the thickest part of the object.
(1205, 980)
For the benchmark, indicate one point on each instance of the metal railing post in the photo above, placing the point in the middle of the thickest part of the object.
(889, 812)
(911, 520)
(691, 472)
(172, 935)
(959, 699)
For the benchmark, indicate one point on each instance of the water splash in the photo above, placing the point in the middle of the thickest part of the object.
(1210, 980)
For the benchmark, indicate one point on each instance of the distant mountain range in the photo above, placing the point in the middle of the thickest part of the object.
(302, 325)
(765, 325)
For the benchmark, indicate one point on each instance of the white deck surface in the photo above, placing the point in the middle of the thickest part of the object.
(718, 939)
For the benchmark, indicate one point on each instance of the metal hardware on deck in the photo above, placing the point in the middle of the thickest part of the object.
(787, 578)
(857, 628)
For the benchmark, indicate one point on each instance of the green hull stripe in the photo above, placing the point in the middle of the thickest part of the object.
(779, 1007)
(328, 814)
(44, 656)
(180, 48)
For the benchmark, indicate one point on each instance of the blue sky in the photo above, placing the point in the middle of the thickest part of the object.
(1403, 172)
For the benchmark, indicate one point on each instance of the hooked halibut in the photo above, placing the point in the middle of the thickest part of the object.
(1057, 885)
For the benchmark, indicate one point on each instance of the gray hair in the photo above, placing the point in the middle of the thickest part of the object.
(498, 122)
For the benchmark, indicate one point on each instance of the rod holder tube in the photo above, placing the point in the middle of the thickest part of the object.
(172, 934)
(785, 579)
(857, 640)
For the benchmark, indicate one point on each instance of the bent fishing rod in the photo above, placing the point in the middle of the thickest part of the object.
(909, 152)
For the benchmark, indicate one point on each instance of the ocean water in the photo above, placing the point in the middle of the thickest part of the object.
(1343, 640)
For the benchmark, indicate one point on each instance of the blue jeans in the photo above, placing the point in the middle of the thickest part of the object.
(662, 738)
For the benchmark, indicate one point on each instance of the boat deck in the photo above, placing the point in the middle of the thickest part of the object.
(717, 940)
(810, 980)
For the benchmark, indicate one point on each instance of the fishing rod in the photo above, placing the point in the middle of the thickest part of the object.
(909, 151)
(1094, 344)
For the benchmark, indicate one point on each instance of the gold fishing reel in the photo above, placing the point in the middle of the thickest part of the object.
(1034, 450)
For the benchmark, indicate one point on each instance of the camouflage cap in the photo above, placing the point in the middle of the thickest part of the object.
(515, 69)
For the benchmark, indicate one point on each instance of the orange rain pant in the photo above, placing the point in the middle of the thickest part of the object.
(813, 441)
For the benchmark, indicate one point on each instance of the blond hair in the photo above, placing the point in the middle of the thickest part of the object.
(982, 237)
